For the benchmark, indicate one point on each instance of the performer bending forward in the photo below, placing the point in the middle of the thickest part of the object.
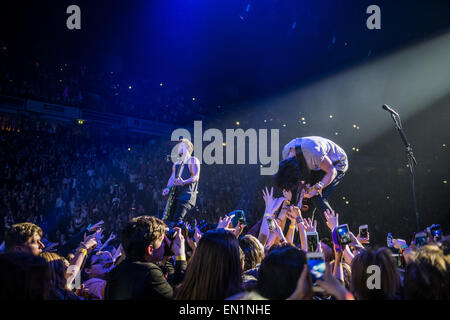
(317, 161)
(185, 180)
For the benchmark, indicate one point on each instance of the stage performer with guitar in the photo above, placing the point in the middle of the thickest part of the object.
(311, 166)
(182, 185)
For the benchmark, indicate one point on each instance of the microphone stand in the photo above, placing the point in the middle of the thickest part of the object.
(411, 163)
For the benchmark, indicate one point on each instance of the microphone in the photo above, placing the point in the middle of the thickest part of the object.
(387, 108)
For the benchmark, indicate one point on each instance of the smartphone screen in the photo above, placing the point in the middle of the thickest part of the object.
(421, 239)
(316, 265)
(363, 231)
(312, 239)
(237, 216)
(436, 232)
(398, 258)
(271, 224)
(343, 234)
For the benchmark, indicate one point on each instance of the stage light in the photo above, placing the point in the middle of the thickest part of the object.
(224, 144)
(193, 99)
(129, 149)
(387, 197)
(343, 198)
(80, 121)
(354, 126)
(265, 120)
(346, 202)
(129, 87)
(336, 133)
(353, 148)
(444, 181)
(444, 145)
(237, 123)
(284, 125)
(357, 150)
(303, 118)
(304, 122)
(161, 84)
(331, 116)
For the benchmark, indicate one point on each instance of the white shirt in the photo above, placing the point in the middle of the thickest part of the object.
(315, 149)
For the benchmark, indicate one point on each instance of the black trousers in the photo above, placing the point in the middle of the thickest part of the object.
(181, 209)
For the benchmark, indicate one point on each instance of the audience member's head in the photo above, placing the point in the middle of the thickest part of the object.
(280, 271)
(253, 251)
(98, 265)
(214, 272)
(57, 266)
(327, 248)
(389, 275)
(24, 237)
(23, 276)
(142, 236)
(287, 177)
(427, 277)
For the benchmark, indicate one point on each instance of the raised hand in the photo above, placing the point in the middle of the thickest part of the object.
(355, 240)
(364, 240)
(90, 244)
(99, 234)
(178, 243)
(112, 236)
(332, 286)
(197, 234)
(272, 204)
(303, 291)
(310, 226)
(225, 222)
(238, 230)
(96, 226)
(331, 218)
(293, 213)
(278, 230)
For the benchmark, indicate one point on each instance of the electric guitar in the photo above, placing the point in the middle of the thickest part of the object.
(168, 210)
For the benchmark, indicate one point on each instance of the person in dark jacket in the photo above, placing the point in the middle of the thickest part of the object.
(138, 277)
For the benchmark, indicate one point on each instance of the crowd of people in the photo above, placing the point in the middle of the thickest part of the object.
(79, 220)
(57, 176)
(221, 261)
